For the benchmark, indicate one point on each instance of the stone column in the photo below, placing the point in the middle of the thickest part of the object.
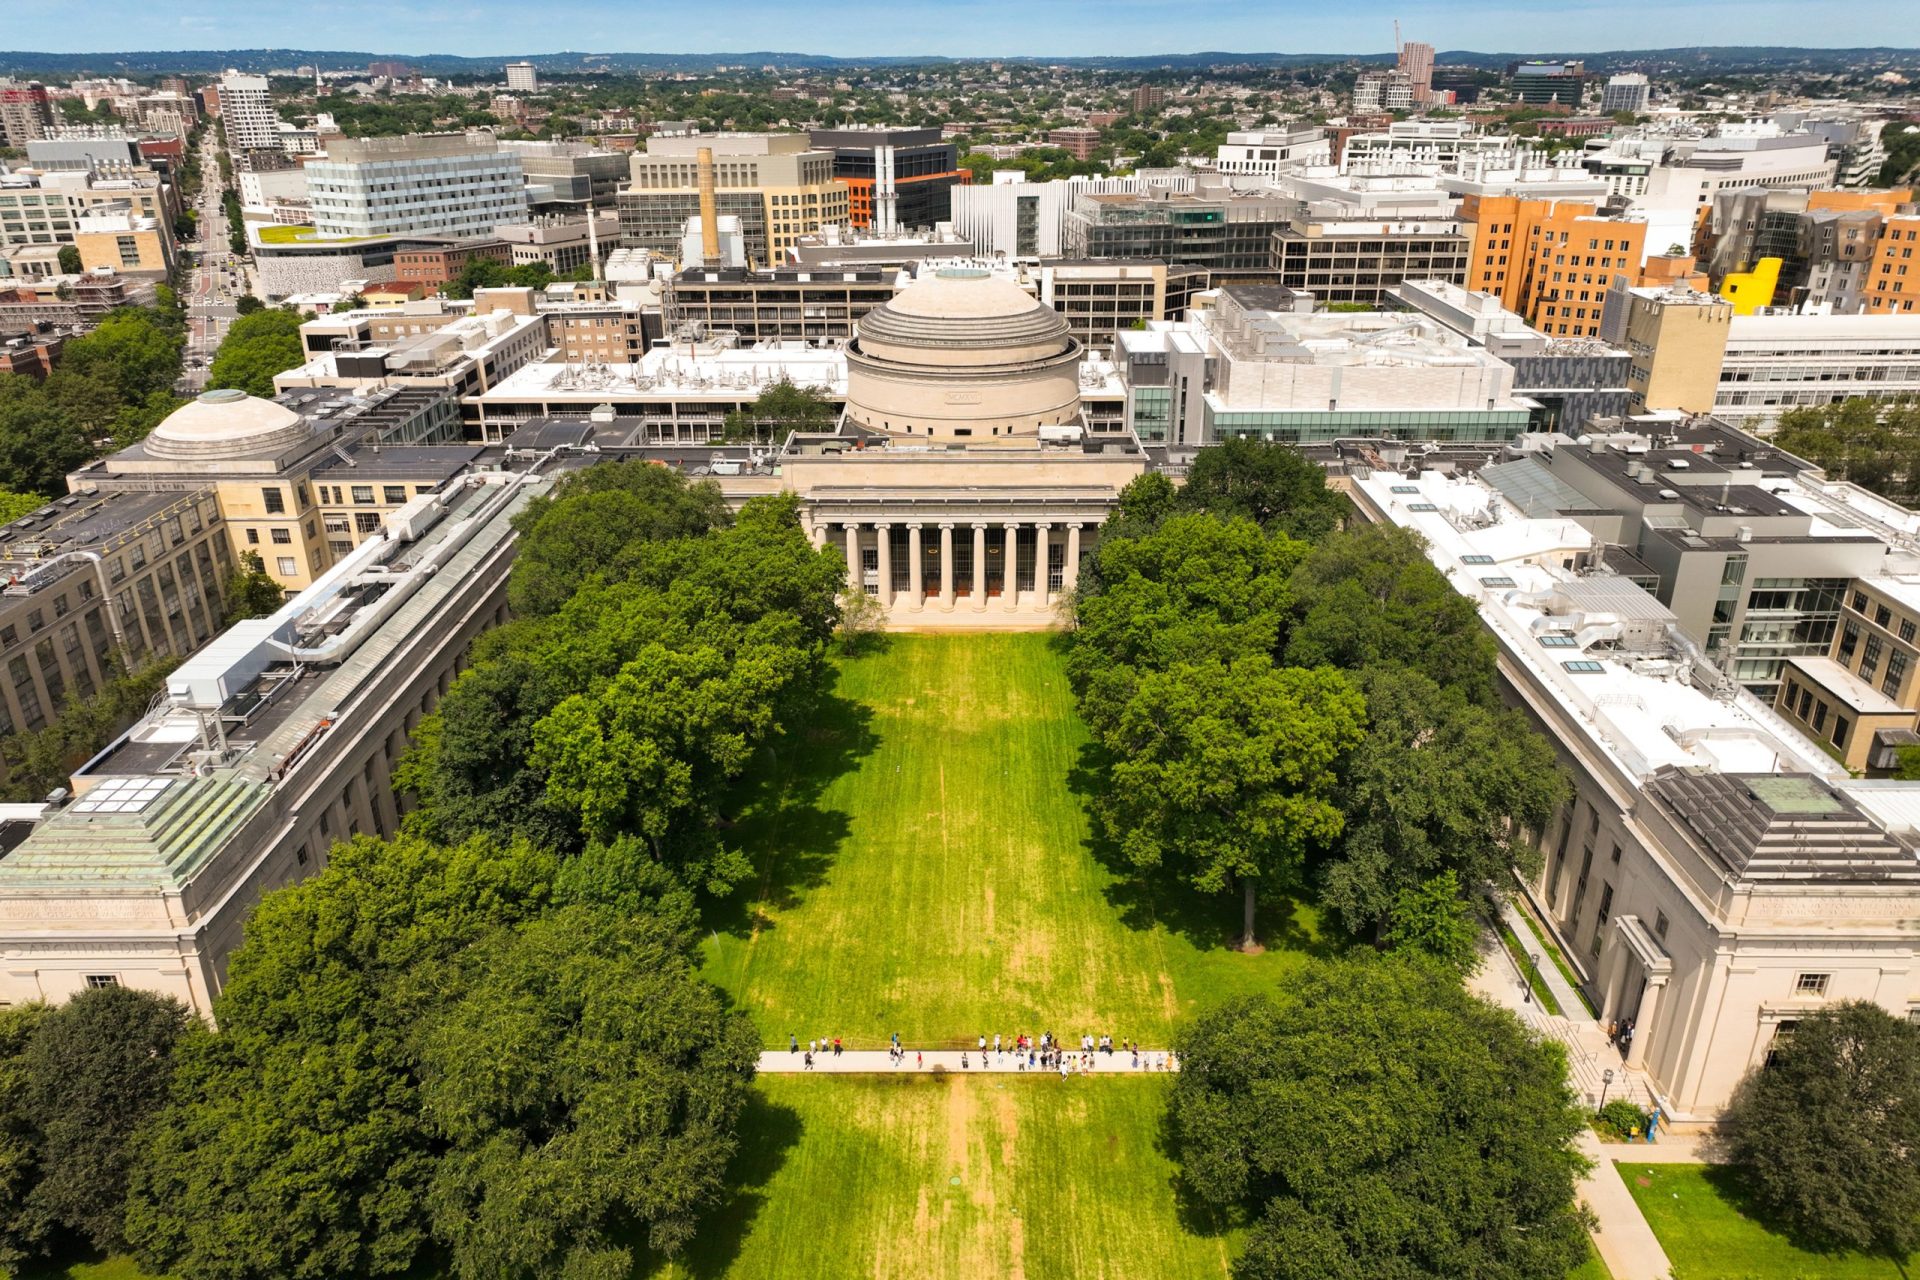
(1071, 577)
(916, 587)
(979, 567)
(854, 582)
(818, 532)
(1010, 572)
(884, 532)
(946, 564)
(1643, 1022)
(1042, 594)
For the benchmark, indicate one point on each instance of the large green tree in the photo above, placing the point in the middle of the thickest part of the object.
(1226, 771)
(256, 347)
(1273, 485)
(97, 1070)
(24, 1224)
(1369, 595)
(1376, 1120)
(251, 592)
(587, 1084)
(781, 408)
(134, 351)
(1827, 1134)
(1441, 783)
(595, 518)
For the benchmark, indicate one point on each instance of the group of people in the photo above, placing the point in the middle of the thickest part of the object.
(1044, 1053)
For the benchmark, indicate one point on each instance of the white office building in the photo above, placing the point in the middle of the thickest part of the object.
(1775, 362)
(521, 78)
(1268, 153)
(1628, 91)
(1013, 218)
(449, 184)
(247, 111)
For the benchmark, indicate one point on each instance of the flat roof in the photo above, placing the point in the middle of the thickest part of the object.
(1848, 687)
(1640, 709)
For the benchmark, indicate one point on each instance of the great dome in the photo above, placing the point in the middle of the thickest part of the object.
(226, 424)
(963, 352)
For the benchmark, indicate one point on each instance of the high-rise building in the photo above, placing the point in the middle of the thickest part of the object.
(448, 183)
(1146, 98)
(1628, 91)
(895, 178)
(779, 185)
(1383, 91)
(1549, 84)
(26, 112)
(521, 78)
(1416, 63)
(247, 109)
(1678, 338)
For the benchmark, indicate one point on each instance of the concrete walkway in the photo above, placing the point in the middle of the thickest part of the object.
(1624, 1240)
(876, 1062)
(1672, 1148)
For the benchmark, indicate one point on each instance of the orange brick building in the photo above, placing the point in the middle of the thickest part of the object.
(1893, 279)
(1550, 260)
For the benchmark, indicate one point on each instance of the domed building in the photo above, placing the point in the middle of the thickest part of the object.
(225, 425)
(963, 354)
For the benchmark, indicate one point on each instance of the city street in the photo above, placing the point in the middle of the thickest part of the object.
(218, 277)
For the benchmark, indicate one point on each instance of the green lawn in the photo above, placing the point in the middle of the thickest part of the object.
(1697, 1215)
(925, 867)
(955, 1177)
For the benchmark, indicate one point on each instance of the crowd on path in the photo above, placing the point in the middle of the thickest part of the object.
(1020, 1053)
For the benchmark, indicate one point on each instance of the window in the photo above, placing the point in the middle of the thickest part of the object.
(288, 566)
(1606, 904)
(273, 500)
(1616, 853)
(282, 537)
(1906, 630)
(95, 981)
(1882, 615)
(1840, 726)
(1896, 672)
(1660, 926)
(366, 521)
(1782, 1037)
(253, 537)
(1811, 984)
(363, 494)
(1870, 659)
(394, 493)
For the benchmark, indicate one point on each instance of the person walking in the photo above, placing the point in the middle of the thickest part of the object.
(793, 1043)
(996, 1044)
(836, 1046)
(809, 1060)
(919, 1060)
(813, 1046)
(963, 1059)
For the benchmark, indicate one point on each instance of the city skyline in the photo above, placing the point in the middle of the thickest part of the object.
(982, 28)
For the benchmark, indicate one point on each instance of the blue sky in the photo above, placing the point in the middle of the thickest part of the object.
(853, 28)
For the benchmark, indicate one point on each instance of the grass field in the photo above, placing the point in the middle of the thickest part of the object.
(1697, 1214)
(955, 1177)
(926, 867)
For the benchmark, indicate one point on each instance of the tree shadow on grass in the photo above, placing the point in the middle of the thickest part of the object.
(1146, 897)
(783, 827)
(1730, 1183)
(768, 1131)
(1197, 1217)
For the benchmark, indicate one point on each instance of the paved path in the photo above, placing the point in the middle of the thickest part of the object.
(1672, 1148)
(1624, 1240)
(876, 1062)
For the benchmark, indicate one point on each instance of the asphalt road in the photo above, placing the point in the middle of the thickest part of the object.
(218, 277)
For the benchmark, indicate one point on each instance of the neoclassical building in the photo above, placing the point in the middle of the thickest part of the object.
(961, 483)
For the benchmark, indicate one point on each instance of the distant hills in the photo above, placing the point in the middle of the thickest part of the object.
(1729, 58)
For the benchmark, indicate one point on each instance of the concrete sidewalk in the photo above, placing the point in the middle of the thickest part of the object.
(876, 1062)
(1624, 1240)
(1672, 1148)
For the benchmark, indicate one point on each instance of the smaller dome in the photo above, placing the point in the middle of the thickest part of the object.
(226, 424)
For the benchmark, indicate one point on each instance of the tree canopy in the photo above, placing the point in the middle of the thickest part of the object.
(1874, 443)
(1827, 1134)
(781, 408)
(251, 592)
(1373, 1119)
(256, 347)
(1270, 484)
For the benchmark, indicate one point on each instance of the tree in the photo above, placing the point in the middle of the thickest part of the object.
(1227, 769)
(134, 352)
(779, 409)
(70, 264)
(24, 1225)
(1433, 921)
(1380, 1121)
(585, 1054)
(14, 505)
(862, 619)
(595, 516)
(97, 1069)
(251, 592)
(1827, 1135)
(246, 304)
(257, 346)
(294, 1144)
(1270, 484)
(1440, 784)
(1369, 595)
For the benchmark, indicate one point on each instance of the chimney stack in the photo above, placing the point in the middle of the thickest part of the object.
(709, 210)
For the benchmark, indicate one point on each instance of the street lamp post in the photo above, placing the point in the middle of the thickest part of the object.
(1533, 977)
(1606, 1082)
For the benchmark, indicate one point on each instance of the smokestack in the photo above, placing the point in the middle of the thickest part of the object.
(593, 238)
(709, 210)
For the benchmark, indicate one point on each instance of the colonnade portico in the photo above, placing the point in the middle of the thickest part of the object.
(969, 569)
